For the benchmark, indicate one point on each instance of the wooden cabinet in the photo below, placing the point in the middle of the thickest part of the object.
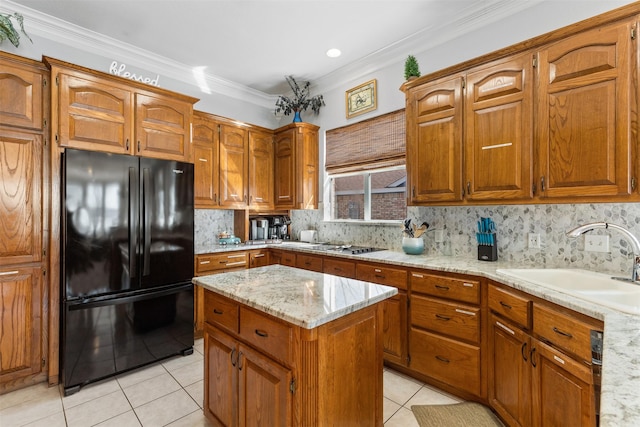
(97, 111)
(287, 258)
(540, 362)
(309, 262)
(434, 142)
(206, 167)
(24, 208)
(395, 319)
(234, 167)
(260, 370)
(296, 166)
(261, 175)
(446, 330)
(21, 315)
(584, 120)
(259, 258)
(498, 155)
(339, 267)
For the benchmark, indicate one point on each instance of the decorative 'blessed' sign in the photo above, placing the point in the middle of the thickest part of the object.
(119, 70)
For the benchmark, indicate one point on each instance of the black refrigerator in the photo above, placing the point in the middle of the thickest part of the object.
(127, 263)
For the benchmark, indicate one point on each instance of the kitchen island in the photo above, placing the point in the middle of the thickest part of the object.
(291, 347)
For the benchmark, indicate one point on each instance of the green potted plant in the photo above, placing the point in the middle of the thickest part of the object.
(411, 69)
(8, 32)
(299, 102)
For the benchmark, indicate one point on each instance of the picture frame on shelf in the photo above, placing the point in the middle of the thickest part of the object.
(361, 99)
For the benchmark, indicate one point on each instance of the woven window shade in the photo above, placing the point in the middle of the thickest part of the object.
(373, 143)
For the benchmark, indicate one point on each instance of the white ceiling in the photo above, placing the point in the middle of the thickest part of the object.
(256, 43)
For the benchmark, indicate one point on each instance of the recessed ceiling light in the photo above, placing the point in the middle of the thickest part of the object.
(333, 53)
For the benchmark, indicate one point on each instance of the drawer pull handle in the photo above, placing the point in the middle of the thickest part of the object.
(261, 333)
(9, 273)
(377, 270)
(557, 359)
(307, 263)
(505, 305)
(441, 317)
(531, 354)
(468, 313)
(337, 269)
(523, 351)
(216, 311)
(443, 359)
(205, 262)
(564, 334)
(258, 255)
(229, 264)
(441, 287)
(235, 256)
(233, 353)
(379, 276)
(240, 361)
(500, 325)
(420, 276)
(468, 285)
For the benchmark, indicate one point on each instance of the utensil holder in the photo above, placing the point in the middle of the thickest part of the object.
(489, 252)
(413, 245)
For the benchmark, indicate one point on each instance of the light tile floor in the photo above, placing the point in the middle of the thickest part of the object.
(170, 394)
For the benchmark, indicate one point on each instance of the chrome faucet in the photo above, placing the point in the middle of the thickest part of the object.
(635, 244)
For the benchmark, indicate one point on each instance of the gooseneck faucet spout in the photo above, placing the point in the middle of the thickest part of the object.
(635, 244)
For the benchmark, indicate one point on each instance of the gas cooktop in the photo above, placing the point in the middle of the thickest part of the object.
(350, 249)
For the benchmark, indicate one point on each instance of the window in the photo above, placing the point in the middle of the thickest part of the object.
(378, 195)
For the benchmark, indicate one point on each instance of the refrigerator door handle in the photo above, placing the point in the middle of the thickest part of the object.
(133, 237)
(146, 220)
(115, 300)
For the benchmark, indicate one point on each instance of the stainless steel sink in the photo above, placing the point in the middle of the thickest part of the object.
(588, 285)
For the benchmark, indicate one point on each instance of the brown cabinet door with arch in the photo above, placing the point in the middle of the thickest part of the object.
(20, 197)
(234, 167)
(584, 114)
(205, 161)
(261, 170)
(20, 95)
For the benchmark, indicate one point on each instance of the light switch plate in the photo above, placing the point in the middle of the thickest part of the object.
(596, 243)
(439, 236)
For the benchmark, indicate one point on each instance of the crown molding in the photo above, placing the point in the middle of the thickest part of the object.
(66, 33)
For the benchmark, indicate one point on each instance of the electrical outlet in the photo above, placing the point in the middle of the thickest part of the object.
(439, 236)
(596, 243)
(534, 241)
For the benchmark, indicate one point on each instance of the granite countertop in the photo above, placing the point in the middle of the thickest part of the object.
(620, 395)
(301, 297)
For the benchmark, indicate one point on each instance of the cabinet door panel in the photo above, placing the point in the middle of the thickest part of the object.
(285, 185)
(20, 323)
(499, 131)
(260, 170)
(94, 115)
(308, 162)
(162, 127)
(20, 197)
(233, 167)
(584, 114)
(394, 328)
(220, 392)
(20, 96)
(434, 142)
(264, 397)
(205, 162)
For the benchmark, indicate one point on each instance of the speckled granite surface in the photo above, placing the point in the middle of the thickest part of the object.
(620, 395)
(304, 298)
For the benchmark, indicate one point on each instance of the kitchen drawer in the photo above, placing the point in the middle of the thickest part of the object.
(446, 360)
(464, 290)
(563, 331)
(220, 261)
(309, 262)
(259, 258)
(283, 258)
(339, 268)
(456, 320)
(510, 305)
(221, 311)
(266, 334)
(383, 275)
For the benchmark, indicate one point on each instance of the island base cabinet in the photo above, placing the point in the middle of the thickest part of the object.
(244, 387)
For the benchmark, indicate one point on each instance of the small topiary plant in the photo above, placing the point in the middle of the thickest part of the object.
(411, 68)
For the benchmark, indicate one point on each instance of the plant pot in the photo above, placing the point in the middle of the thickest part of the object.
(413, 245)
(296, 117)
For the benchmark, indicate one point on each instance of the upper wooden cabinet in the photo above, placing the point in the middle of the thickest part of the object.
(97, 111)
(234, 167)
(584, 114)
(499, 130)
(296, 166)
(261, 170)
(434, 141)
(551, 119)
(205, 160)
(21, 88)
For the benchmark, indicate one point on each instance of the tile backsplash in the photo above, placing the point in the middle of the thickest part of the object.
(208, 223)
(513, 223)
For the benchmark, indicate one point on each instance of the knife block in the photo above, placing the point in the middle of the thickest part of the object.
(488, 252)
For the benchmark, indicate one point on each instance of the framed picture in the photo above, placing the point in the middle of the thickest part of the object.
(361, 99)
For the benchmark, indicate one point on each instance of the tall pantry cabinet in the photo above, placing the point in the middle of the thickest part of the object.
(24, 107)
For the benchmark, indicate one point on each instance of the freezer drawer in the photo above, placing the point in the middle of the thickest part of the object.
(101, 338)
